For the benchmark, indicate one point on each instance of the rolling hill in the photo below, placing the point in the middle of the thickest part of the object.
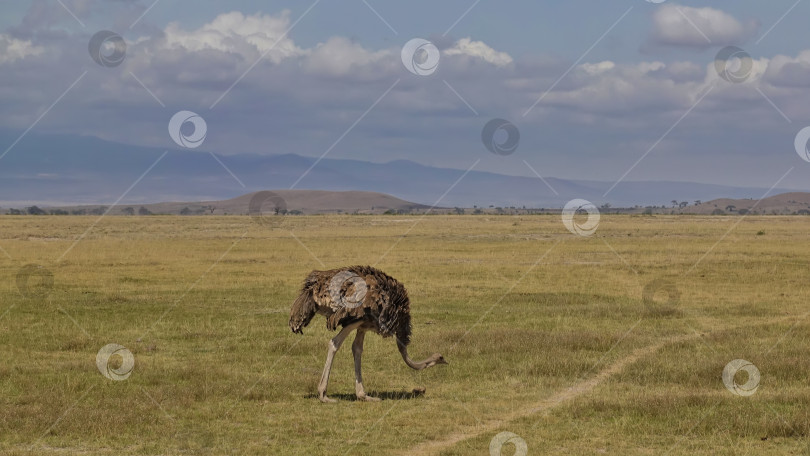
(783, 204)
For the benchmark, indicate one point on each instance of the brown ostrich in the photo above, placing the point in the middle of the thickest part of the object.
(358, 298)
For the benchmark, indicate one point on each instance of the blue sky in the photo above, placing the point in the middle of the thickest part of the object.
(555, 27)
(643, 103)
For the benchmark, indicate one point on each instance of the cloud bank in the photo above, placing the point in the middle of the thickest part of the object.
(261, 92)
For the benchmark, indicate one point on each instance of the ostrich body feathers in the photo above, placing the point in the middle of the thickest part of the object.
(351, 294)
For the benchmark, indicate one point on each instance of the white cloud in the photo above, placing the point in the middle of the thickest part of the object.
(632, 90)
(244, 38)
(683, 71)
(649, 67)
(12, 49)
(479, 49)
(784, 71)
(236, 33)
(597, 68)
(758, 68)
(339, 56)
(675, 25)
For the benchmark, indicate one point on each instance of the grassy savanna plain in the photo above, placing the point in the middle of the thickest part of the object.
(546, 332)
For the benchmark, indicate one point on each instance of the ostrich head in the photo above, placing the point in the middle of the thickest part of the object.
(435, 359)
(431, 361)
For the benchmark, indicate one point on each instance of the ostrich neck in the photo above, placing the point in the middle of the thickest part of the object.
(403, 350)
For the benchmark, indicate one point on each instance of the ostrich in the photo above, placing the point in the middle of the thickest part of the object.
(358, 298)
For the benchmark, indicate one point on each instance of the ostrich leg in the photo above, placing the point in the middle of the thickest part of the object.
(357, 351)
(334, 345)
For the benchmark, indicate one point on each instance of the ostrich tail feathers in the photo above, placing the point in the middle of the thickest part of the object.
(302, 311)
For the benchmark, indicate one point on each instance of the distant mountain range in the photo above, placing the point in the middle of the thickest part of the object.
(58, 170)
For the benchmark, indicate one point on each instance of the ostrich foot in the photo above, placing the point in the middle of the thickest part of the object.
(326, 400)
(363, 397)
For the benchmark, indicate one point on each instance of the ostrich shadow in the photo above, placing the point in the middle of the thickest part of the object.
(384, 395)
